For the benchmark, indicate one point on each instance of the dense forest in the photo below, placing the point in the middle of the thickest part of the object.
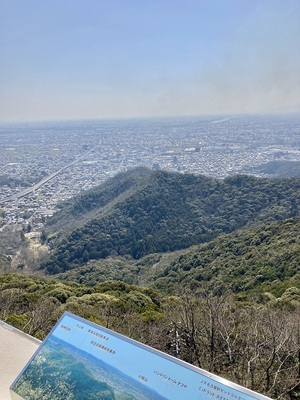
(154, 212)
(206, 270)
(246, 262)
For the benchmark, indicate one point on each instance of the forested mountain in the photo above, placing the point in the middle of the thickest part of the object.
(249, 261)
(97, 202)
(253, 260)
(143, 212)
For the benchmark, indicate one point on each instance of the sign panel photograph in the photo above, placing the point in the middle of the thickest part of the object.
(82, 360)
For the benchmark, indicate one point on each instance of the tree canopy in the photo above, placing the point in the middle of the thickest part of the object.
(165, 211)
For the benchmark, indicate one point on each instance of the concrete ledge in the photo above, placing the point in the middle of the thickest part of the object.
(16, 349)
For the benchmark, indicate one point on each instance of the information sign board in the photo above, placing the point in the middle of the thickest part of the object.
(82, 360)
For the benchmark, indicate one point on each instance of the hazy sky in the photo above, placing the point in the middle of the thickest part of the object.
(63, 59)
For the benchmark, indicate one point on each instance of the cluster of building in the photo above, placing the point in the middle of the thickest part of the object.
(43, 165)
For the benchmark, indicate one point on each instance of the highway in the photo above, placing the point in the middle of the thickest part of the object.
(48, 178)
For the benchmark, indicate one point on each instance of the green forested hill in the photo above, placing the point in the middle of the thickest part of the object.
(265, 259)
(162, 211)
(97, 202)
(248, 261)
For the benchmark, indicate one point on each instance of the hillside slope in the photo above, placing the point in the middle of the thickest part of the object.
(165, 211)
(253, 260)
(265, 259)
(96, 202)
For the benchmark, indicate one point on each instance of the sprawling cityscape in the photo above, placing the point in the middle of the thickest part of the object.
(43, 164)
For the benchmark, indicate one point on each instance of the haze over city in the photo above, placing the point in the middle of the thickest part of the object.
(75, 59)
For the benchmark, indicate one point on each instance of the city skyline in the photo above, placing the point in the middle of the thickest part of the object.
(124, 59)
